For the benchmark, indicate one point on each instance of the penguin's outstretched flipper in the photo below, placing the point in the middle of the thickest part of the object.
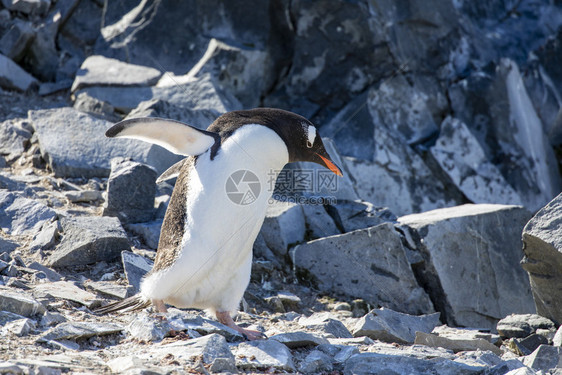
(175, 136)
(133, 303)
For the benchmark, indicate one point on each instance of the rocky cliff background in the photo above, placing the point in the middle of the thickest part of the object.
(444, 115)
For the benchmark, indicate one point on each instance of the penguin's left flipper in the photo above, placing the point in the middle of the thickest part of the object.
(174, 136)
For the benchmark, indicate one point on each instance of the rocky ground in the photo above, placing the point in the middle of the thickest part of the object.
(437, 252)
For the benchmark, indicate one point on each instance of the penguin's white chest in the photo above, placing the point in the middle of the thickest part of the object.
(226, 204)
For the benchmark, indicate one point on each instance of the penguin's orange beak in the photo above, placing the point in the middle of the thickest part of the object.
(330, 165)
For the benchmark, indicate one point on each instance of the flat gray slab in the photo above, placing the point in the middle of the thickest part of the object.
(66, 290)
(19, 302)
(80, 330)
(102, 71)
(13, 77)
(23, 215)
(264, 354)
(299, 339)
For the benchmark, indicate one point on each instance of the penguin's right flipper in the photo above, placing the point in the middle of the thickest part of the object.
(174, 136)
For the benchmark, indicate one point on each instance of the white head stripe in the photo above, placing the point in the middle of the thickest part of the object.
(311, 134)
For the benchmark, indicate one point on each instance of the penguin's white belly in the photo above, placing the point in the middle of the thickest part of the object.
(213, 267)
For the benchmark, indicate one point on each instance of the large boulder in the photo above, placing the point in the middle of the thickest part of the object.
(368, 263)
(475, 250)
(542, 246)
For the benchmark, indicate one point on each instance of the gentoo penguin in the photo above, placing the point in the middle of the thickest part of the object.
(204, 254)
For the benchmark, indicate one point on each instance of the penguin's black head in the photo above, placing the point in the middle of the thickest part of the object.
(300, 135)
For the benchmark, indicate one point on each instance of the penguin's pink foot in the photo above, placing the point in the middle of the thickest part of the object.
(225, 318)
(159, 306)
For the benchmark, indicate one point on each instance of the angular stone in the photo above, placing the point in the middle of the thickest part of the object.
(13, 138)
(16, 40)
(146, 328)
(361, 214)
(456, 345)
(22, 215)
(318, 222)
(135, 266)
(316, 362)
(208, 349)
(391, 326)
(262, 355)
(91, 152)
(460, 155)
(66, 290)
(522, 325)
(545, 358)
(13, 77)
(102, 71)
(83, 196)
(324, 322)
(27, 6)
(6, 317)
(530, 343)
(46, 239)
(359, 264)
(299, 339)
(88, 239)
(283, 225)
(542, 247)
(109, 288)
(466, 333)
(79, 330)
(19, 303)
(149, 232)
(51, 274)
(7, 246)
(458, 239)
(375, 363)
(130, 205)
(20, 327)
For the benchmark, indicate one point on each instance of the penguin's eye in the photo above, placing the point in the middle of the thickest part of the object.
(308, 144)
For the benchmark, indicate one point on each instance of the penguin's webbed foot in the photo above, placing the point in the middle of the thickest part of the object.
(249, 334)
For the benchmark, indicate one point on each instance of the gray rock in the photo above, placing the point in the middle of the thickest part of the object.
(298, 339)
(95, 107)
(316, 362)
(557, 339)
(324, 322)
(391, 326)
(92, 152)
(135, 267)
(456, 345)
(10, 368)
(20, 327)
(19, 303)
(542, 248)
(497, 109)
(463, 159)
(88, 239)
(23, 215)
(51, 274)
(262, 355)
(375, 363)
(109, 288)
(7, 246)
(530, 343)
(545, 357)
(284, 225)
(102, 71)
(27, 6)
(83, 196)
(397, 177)
(467, 333)
(130, 205)
(361, 214)
(358, 264)
(13, 138)
(66, 290)
(146, 328)
(48, 88)
(79, 330)
(401, 106)
(522, 325)
(457, 239)
(46, 239)
(208, 349)
(16, 40)
(182, 320)
(6, 316)
(50, 319)
(318, 222)
(246, 72)
(149, 232)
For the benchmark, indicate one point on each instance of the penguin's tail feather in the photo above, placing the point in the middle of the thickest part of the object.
(133, 303)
